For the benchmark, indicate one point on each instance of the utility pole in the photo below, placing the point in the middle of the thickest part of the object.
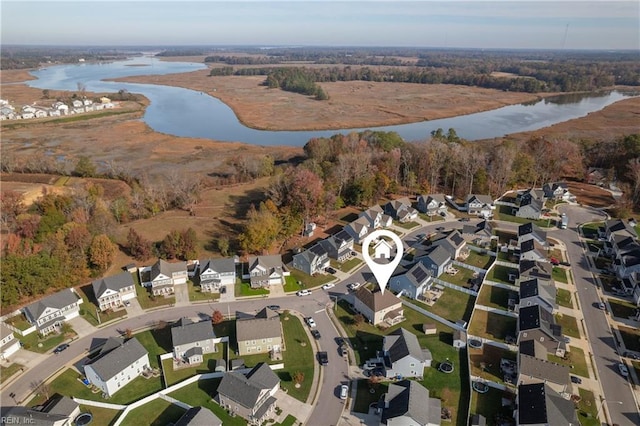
(98, 315)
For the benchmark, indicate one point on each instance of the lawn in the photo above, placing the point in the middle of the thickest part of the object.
(492, 326)
(290, 284)
(427, 218)
(622, 309)
(587, 408)
(501, 274)
(590, 230)
(575, 359)
(147, 300)
(453, 305)
(155, 413)
(504, 213)
(298, 356)
(559, 274)
(101, 416)
(564, 298)
(631, 337)
(6, 372)
(33, 341)
(505, 236)
(364, 397)
(200, 394)
(494, 297)
(244, 289)
(478, 260)
(609, 283)
(196, 293)
(490, 406)
(19, 321)
(485, 362)
(208, 365)
(157, 341)
(569, 325)
(407, 225)
(461, 278)
(348, 265)
(309, 281)
(89, 310)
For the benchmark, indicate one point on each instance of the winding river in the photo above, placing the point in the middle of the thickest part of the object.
(188, 113)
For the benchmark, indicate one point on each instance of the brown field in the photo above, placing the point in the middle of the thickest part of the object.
(591, 195)
(14, 76)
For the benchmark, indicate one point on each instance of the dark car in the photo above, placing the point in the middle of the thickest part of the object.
(330, 270)
(60, 348)
(464, 219)
(576, 380)
(223, 290)
(323, 358)
(315, 334)
(274, 307)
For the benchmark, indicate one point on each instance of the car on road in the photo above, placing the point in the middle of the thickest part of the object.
(274, 307)
(316, 334)
(328, 286)
(420, 236)
(303, 293)
(353, 286)
(440, 228)
(344, 391)
(577, 380)
(323, 358)
(464, 219)
(310, 322)
(330, 270)
(602, 306)
(624, 371)
(353, 253)
(60, 348)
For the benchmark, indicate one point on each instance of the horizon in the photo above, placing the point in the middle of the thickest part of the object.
(505, 25)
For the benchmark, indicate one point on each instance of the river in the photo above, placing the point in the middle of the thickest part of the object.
(182, 112)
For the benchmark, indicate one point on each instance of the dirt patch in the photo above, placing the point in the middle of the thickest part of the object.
(591, 195)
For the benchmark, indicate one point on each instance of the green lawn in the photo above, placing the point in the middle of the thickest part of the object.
(504, 213)
(590, 230)
(33, 342)
(89, 310)
(196, 293)
(631, 337)
(559, 274)
(587, 408)
(288, 421)
(147, 300)
(244, 289)
(364, 397)
(563, 298)
(296, 357)
(157, 341)
(492, 326)
(575, 359)
(6, 372)
(501, 273)
(408, 225)
(622, 309)
(208, 365)
(478, 260)
(453, 305)
(101, 416)
(427, 218)
(494, 297)
(348, 265)
(569, 325)
(200, 394)
(291, 284)
(309, 281)
(485, 362)
(19, 321)
(461, 278)
(490, 405)
(155, 413)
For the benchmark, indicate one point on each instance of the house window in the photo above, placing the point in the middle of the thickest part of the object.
(264, 340)
(253, 342)
(248, 350)
(268, 347)
(542, 339)
(413, 364)
(259, 348)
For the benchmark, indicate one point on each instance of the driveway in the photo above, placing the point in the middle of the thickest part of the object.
(182, 294)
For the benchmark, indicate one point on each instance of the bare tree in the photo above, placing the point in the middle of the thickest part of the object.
(42, 388)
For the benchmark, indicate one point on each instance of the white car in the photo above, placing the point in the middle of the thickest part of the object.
(354, 286)
(344, 391)
(328, 286)
(303, 293)
(310, 322)
(623, 370)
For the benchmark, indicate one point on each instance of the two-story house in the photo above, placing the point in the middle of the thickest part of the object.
(557, 191)
(49, 313)
(437, 259)
(539, 370)
(250, 397)
(530, 208)
(163, 276)
(401, 210)
(8, 343)
(118, 363)
(215, 273)
(378, 307)
(538, 404)
(338, 246)
(265, 271)
(373, 215)
(408, 403)
(454, 244)
(312, 261)
(537, 323)
(536, 291)
(480, 205)
(111, 292)
(432, 204)
(413, 282)
(259, 334)
(402, 356)
(535, 269)
(480, 234)
(358, 229)
(191, 340)
(530, 231)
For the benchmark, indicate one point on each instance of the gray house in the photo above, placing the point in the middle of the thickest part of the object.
(312, 261)
(617, 227)
(436, 260)
(539, 404)
(259, 334)
(111, 292)
(402, 356)
(533, 269)
(162, 276)
(358, 229)
(530, 231)
(191, 340)
(265, 271)
(536, 291)
(338, 246)
(250, 396)
(412, 283)
(480, 205)
(214, 273)
(400, 210)
(454, 243)
(530, 208)
(479, 234)
(408, 403)
(537, 323)
(198, 416)
(48, 313)
(536, 370)
(531, 250)
(432, 204)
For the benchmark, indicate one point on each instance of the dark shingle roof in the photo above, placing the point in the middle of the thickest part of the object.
(57, 300)
(534, 268)
(220, 265)
(543, 370)
(115, 283)
(377, 301)
(165, 268)
(189, 332)
(118, 359)
(63, 406)
(411, 399)
(245, 390)
(439, 255)
(536, 317)
(401, 343)
(266, 324)
(198, 416)
(539, 404)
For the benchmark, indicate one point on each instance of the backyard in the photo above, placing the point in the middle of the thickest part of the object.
(485, 362)
(575, 359)
(502, 274)
(492, 326)
(590, 230)
(461, 278)
(622, 309)
(364, 398)
(101, 416)
(631, 337)
(563, 298)
(569, 325)
(155, 413)
(200, 393)
(453, 305)
(494, 297)
(208, 364)
(482, 261)
(490, 406)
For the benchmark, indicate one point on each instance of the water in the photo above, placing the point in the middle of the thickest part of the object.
(182, 112)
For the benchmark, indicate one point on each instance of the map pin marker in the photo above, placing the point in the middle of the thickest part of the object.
(381, 271)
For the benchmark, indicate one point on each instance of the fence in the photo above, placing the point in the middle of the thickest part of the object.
(455, 287)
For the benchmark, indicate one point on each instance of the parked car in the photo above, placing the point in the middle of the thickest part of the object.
(554, 261)
(440, 228)
(602, 306)
(323, 358)
(344, 391)
(328, 286)
(330, 270)
(624, 371)
(316, 334)
(354, 286)
(310, 322)
(223, 290)
(464, 219)
(631, 355)
(127, 303)
(274, 307)
(60, 348)
(353, 253)
(577, 380)
(303, 293)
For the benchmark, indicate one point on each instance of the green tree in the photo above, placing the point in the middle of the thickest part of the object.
(84, 167)
(223, 245)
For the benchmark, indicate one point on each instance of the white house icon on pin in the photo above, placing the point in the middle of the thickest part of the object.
(382, 250)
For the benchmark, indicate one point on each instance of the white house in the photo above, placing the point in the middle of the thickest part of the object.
(265, 271)
(8, 343)
(214, 273)
(117, 364)
(402, 356)
(480, 205)
(50, 312)
(111, 292)
(162, 276)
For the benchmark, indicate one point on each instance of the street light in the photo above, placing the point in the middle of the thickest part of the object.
(602, 405)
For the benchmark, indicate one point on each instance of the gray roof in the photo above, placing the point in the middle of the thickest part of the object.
(485, 199)
(63, 406)
(266, 324)
(220, 265)
(539, 404)
(245, 390)
(315, 251)
(418, 274)
(118, 359)
(57, 300)
(409, 398)
(270, 262)
(439, 255)
(165, 268)
(18, 415)
(4, 330)
(377, 301)
(196, 350)
(483, 227)
(401, 343)
(538, 287)
(536, 317)
(533, 229)
(198, 416)
(534, 268)
(452, 242)
(189, 332)
(114, 282)
(619, 226)
(543, 370)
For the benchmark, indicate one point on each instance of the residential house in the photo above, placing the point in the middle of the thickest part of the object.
(535, 291)
(530, 231)
(539, 370)
(480, 205)
(265, 271)
(408, 403)
(28, 115)
(60, 411)
(412, 283)
(383, 249)
(111, 292)
(616, 227)
(162, 276)
(531, 250)
(537, 323)
(378, 307)
(432, 204)
(558, 191)
(358, 229)
(77, 103)
(259, 334)
(596, 176)
(401, 210)
(538, 404)
(28, 109)
(198, 416)
(62, 107)
(373, 215)
(118, 363)
(50, 312)
(252, 396)
(309, 229)
(312, 261)
(531, 193)
(480, 234)
(627, 261)
(454, 244)
(192, 340)
(215, 273)
(8, 343)
(41, 113)
(338, 246)
(401, 356)
(535, 269)
(530, 208)
(437, 259)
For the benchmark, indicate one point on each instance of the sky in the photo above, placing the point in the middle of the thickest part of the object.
(541, 24)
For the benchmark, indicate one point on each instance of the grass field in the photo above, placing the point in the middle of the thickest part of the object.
(346, 266)
(200, 394)
(155, 413)
(309, 281)
(208, 365)
(147, 300)
(631, 337)
(587, 408)
(622, 309)
(8, 371)
(569, 325)
(485, 362)
(575, 360)
(298, 356)
(364, 397)
(563, 298)
(19, 321)
(33, 342)
(559, 274)
(492, 326)
(494, 297)
(453, 305)
(478, 260)
(590, 230)
(408, 225)
(501, 274)
(101, 416)
(461, 278)
(490, 405)
(244, 289)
